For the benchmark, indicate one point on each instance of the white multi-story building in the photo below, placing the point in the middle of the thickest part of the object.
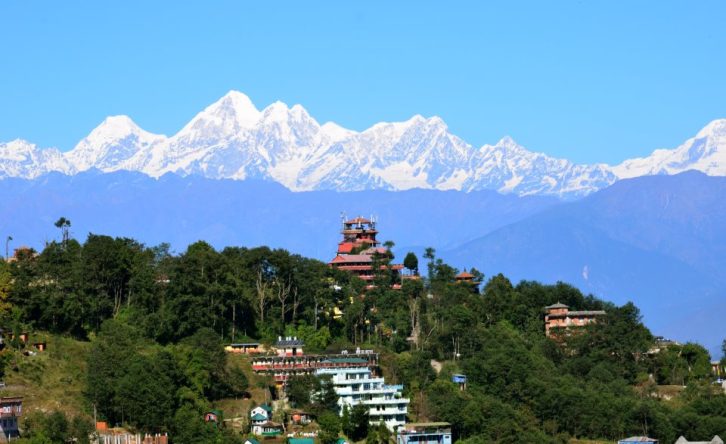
(358, 386)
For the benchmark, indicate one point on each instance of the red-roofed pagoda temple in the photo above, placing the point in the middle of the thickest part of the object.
(359, 249)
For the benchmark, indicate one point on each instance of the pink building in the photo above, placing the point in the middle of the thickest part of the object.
(559, 316)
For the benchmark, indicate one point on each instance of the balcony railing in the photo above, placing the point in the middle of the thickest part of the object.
(11, 412)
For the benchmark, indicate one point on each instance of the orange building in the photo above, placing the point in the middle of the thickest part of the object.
(359, 250)
(559, 316)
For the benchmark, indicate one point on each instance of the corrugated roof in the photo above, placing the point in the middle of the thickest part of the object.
(347, 360)
(290, 343)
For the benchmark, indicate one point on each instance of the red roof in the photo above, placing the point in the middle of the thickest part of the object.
(367, 267)
(464, 275)
(345, 247)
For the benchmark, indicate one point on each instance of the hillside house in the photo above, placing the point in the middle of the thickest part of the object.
(299, 417)
(425, 433)
(281, 368)
(289, 346)
(11, 408)
(261, 419)
(213, 416)
(559, 316)
(460, 380)
(246, 348)
(358, 386)
(717, 369)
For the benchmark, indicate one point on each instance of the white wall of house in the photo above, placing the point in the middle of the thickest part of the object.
(358, 386)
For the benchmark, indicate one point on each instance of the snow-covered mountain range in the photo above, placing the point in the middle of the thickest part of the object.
(233, 139)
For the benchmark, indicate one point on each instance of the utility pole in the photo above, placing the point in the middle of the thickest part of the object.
(7, 247)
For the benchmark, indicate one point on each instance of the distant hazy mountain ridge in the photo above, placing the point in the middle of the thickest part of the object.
(232, 139)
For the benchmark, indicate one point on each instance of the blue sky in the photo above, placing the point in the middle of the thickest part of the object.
(590, 81)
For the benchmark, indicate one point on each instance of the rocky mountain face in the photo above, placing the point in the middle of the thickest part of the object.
(232, 139)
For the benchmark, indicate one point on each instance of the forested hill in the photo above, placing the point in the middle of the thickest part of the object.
(659, 241)
(156, 323)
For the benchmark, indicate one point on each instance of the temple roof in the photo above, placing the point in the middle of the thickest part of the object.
(351, 258)
(345, 247)
(358, 220)
(557, 305)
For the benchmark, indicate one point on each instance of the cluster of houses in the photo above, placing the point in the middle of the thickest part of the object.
(353, 373)
(263, 426)
(7, 335)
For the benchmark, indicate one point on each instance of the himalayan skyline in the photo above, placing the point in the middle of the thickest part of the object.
(233, 138)
(583, 82)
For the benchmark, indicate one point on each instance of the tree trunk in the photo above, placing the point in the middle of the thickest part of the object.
(234, 320)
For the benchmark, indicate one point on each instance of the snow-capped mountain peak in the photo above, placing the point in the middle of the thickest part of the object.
(705, 152)
(335, 132)
(226, 117)
(20, 158)
(716, 128)
(110, 144)
(115, 127)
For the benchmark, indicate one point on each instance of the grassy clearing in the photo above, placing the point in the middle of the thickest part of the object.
(50, 380)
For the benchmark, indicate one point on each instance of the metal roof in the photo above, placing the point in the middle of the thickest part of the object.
(290, 343)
